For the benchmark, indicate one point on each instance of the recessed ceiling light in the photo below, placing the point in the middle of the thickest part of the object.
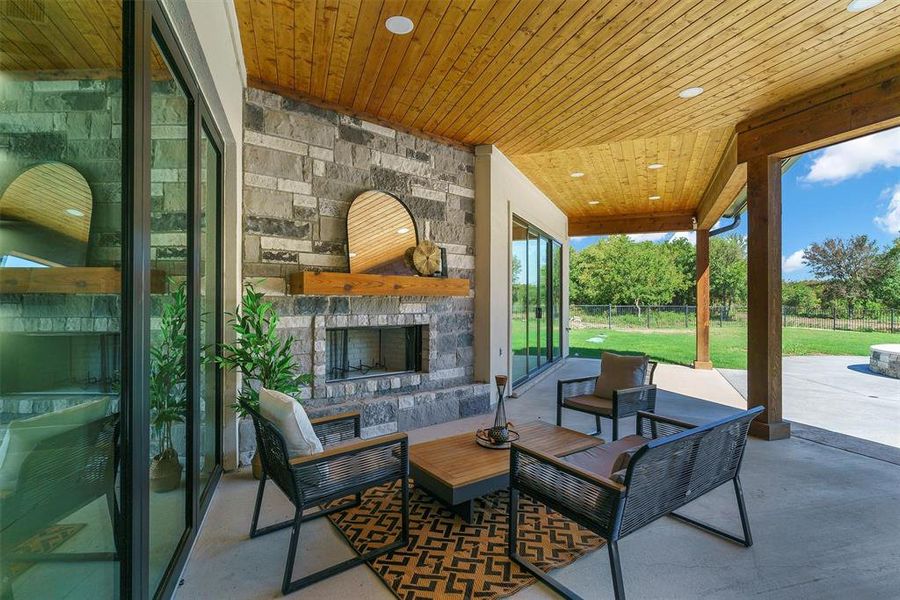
(403, 230)
(593, 202)
(691, 92)
(654, 197)
(74, 212)
(577, 174)
(861, 5)
(352, 254)
(655, 166)
(399, 24)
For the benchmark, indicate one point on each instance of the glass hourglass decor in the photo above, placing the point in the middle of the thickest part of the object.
(499, 433)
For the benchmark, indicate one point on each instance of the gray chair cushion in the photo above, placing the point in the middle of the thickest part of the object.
(619, 372)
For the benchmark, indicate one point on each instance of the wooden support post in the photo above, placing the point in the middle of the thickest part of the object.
(702, 360)
(764, 296)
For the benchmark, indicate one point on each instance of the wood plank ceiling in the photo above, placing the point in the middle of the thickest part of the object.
(562, 86)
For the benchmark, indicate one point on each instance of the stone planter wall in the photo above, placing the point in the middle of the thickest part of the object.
(303, 166)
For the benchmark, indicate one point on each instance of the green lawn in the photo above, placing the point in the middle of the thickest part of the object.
(728, 345)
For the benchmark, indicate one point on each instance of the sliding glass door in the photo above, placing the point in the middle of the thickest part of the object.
(110, 198)
(536, 308)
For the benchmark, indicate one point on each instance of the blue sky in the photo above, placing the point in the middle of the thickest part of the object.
(846, 189)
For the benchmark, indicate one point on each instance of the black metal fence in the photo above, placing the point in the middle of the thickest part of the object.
(612, 316)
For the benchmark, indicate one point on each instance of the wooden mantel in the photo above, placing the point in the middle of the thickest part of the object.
(355, 284)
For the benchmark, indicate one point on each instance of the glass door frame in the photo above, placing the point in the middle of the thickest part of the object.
(545, 332)
(144, 22)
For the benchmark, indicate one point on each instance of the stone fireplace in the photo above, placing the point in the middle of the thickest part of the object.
(357, 352)
(401, 361)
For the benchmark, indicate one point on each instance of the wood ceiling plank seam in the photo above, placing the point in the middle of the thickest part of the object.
(22, 33)
(114, 18)
(346, 23)
(543, 26)
(616, 168)
(715, 153)
(630, 75)
(378, 51)
(419, 53)
(625, 40)
(372, 14)
(248, 37)
(283, 22)
(524, 65)
(326, 20)
(811, 65)
(430, 59)
(264, 40)
(67, 19)
(24, 61)
(691, 163)
(553, 67)
(465, 40)
(615, 85)
(397, 54)
(304, 42)
(95, 17)
(603, 195)
(741, 50)
(62, 47)
(472, 53)
(646, 149)
(517, 20)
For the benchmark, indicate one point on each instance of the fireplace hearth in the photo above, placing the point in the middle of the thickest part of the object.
(357, 352)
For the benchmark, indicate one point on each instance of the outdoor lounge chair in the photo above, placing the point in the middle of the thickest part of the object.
(673, 463)
(578, 394)
(347, 467)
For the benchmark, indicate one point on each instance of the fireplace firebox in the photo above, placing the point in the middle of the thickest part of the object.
(355, 352)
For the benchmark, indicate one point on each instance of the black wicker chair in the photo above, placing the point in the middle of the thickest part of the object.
(674, 464)
(577, 394)
(61, 475)
(347, 467)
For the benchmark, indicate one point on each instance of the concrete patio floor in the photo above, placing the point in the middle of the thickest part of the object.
(836, 393)
(826, 522)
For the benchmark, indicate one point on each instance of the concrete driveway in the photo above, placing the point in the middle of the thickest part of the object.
(837, 393)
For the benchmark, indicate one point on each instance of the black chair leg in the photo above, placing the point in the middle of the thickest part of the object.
(404, 516)
(292, 553)
(615, 568)
(558, 415)
(512, 536)
(259, 496)
(615, 426)
(742, 509)
(599, 426)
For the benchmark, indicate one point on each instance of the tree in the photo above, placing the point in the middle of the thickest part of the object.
(685, 256)
(727, 270)
(800, 296)
(887, 291)
(849, 269)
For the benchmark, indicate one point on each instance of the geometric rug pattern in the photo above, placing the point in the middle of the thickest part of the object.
(44, 542)
(450, 559)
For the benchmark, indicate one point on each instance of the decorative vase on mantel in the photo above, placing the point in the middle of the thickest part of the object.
(499, 433)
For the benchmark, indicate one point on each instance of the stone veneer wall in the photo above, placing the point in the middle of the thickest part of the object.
(303, 166)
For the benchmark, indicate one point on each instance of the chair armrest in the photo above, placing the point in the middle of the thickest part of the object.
(394, 439)
(566, 388)
(630, 400)
(652, 426)
(565, 487)
(336, 428)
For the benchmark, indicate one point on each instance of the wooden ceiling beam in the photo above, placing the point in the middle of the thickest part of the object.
(854, 107)
(729, 178)
(646, 223)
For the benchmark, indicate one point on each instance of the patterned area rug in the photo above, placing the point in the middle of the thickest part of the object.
(44, 542)
(449, 559)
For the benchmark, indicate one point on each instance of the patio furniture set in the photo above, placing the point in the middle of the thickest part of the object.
(612, 489)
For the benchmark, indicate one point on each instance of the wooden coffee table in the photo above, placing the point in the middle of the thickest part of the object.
(456, 470)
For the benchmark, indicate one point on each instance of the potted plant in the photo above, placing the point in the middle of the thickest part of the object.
(168, 390)
(262, 357)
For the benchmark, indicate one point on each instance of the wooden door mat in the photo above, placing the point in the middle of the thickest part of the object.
(449, 559)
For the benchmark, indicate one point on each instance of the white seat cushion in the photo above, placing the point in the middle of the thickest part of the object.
(23, 435)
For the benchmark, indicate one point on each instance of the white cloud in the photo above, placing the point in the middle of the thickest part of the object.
(646, 237)
(856, 157)
(690, 236)
(794, 262)
(890, 220)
